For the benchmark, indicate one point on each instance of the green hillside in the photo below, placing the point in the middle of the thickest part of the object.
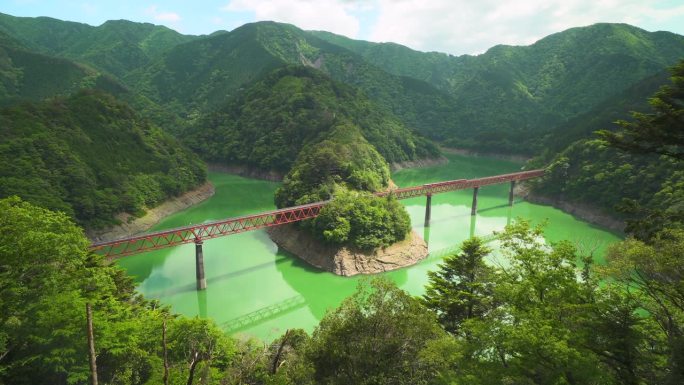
(117, 46)
(604, 115)
(28, 75)
(505, 100)
(91, 156)
(203, 74)
(644, 186)
(508, 96)
(269, 123)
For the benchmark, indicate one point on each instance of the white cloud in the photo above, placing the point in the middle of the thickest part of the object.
(459, 26)
(330, 15)
(466, 26)
(167, 16)
(157, 15)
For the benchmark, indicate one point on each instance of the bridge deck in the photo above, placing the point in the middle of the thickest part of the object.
(198, 233)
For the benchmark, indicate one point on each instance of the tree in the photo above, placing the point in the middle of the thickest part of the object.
(362, 220)
(657, 271)
(532, 334)
(462, 288)
(374, 337)
(660, 132)
(196, 340)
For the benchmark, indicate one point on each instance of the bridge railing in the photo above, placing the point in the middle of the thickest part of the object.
(198, 233)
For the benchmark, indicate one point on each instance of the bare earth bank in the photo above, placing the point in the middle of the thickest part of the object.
(583, 211)
(344, 261)
(153, 215)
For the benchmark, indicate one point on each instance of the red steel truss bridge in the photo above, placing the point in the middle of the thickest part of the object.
(200, 232)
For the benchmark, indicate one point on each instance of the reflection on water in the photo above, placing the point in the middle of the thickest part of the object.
(257, 290)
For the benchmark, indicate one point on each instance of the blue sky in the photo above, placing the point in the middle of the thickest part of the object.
(452, 26)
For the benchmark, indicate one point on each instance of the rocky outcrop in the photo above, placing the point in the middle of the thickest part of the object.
(131, 226)
(345, 261)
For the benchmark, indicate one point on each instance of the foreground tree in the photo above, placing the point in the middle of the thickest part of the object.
(462, 288)
(196, 341)
(657, 271)
(46, 278)
(660, 132)
(374, 337)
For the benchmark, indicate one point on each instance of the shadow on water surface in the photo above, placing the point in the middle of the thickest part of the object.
(323, 290)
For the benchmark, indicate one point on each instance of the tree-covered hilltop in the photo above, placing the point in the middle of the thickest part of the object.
(203, 74)
(92, 157)
(346, 168)
(293, 108)
(343, 158)
(644, 184)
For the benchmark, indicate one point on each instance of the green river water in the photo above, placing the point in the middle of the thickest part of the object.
(254, 289)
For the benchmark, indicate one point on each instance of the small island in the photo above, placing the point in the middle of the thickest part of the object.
(357, 232)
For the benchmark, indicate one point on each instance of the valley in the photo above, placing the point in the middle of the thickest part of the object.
(110, 129)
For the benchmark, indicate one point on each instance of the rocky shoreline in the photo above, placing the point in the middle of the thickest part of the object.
(583, 211)
(345, 261)
(153, 215)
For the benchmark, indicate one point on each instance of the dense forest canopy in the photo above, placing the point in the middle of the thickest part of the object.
(92, 157)
(544, 318)
(634, 171)
(293, 109)
(506, 100)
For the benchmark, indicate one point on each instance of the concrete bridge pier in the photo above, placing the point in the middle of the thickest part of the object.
(428, 208)
(199, 265)
(473, 224)
(510, 193)
(473, 210)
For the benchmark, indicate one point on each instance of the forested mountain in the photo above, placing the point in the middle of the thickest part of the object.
(508, 97)
(226, 95)
(92, 157)
(644, 184)
(203, 74)
(292, 108)
(506, 100)
(29, 75)
(117, 46)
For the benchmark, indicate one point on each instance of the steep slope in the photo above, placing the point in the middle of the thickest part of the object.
(604, 115)
(29, 75)
(117, 46)
(92, 157)
(268, 124)
(508, 96)
(435, 68)
(644, 188)
(203, 74)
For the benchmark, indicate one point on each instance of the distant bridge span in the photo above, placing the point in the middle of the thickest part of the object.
(200, 232)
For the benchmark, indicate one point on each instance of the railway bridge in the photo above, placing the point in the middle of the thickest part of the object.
(197, 234)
